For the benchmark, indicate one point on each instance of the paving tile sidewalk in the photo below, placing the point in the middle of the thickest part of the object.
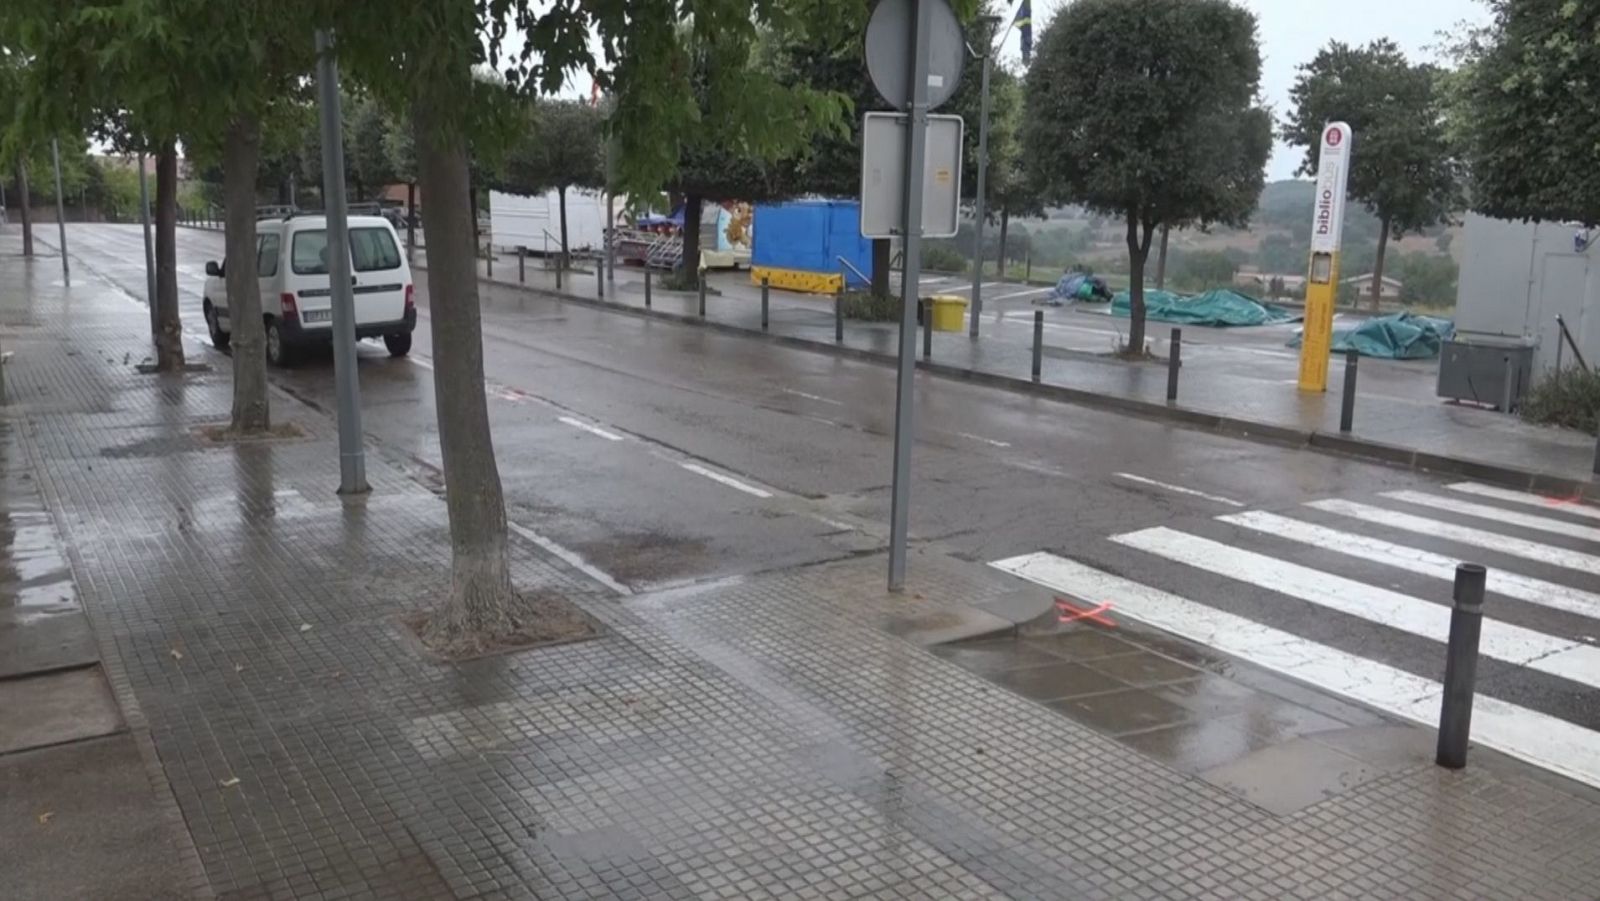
(1395, 403)
(746, 738)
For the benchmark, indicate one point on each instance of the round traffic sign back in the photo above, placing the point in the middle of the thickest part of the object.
(889, 51)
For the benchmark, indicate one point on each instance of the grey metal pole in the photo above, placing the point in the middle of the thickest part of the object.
(983, 172)
(1174, 362)
(600, 279)
(522, 264)
(1461, 666)
(911, 232)
(838, 317)
(352, 459)
(1347, 407)
(1038, 345)
(61, 215)
(765, 290)
(149, 246)
(647, 286)
(702, 287)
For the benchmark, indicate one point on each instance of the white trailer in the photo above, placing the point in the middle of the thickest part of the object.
(518, 220)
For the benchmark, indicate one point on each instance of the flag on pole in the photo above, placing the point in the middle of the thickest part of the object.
(1024, 25)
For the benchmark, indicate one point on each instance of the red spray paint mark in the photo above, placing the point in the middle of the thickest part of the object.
(1071, 612)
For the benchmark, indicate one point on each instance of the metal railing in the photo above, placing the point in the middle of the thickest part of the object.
(1566, 339)
(852, 267)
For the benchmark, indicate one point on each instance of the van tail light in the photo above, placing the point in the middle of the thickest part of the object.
(411, 303)
(289, 310)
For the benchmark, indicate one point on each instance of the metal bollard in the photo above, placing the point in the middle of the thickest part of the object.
(1174, 361)
(927, 329)
(1506, 392)
(647, 287)
(1038, 345)
(1461, 666)
(522, 265)
(1347, 407)
(559, 267)
(838, 317)
(488, 265)
(765, 288)
(702, 295)
(600, 280)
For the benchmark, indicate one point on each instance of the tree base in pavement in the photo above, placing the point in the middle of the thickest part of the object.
(527, 621)
(226, 434)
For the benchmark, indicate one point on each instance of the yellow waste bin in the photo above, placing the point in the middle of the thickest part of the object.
(949, 313)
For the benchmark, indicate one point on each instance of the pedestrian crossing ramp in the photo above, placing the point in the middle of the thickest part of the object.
(1353, 596)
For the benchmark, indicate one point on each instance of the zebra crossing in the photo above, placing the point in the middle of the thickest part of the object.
(1353, 597)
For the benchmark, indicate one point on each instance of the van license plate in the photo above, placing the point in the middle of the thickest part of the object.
(317, 316)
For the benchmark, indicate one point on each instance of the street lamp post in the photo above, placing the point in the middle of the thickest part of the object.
(989, 23)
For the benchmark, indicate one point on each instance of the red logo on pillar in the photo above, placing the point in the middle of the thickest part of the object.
(1334, 137)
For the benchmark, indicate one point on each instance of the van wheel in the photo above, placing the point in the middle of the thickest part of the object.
(219, 338)
(399, 344)
(278, 352)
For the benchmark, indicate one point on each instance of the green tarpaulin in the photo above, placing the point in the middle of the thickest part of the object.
(1214, 308)
(1403, 336)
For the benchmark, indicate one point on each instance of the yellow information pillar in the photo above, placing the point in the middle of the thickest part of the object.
(1322, 278)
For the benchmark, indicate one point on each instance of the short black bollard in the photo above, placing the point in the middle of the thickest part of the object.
(1347, 407)
(488, 266)
(1461, 666)
(702, 295)
(1038, 345)
(559, 267)
(1509, 387)
(600, 280)
(522, 265)
(765, 287)
(927, 329)
(1174, 361)
(838, 317)
(647, 287)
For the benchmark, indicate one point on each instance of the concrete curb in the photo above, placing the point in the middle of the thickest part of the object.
(1237, 427)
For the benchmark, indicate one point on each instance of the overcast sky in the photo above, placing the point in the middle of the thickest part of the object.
(1293, 30)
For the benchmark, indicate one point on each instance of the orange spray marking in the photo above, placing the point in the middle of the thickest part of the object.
(1070, 612)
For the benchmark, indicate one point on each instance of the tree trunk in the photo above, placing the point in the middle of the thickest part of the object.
(882, 261)
(566, 255)
(241, 157)
(411, 218)
(1377, 262)
(1137, 253)
(482, 601)
(691, 235)
(25, 209)
(169, 332)
(1000, 264)
(1161, 259)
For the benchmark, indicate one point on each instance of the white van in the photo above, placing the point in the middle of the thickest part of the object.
(296, 302)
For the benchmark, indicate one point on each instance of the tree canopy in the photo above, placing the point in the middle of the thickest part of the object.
(1530, 108)
(1146, 110)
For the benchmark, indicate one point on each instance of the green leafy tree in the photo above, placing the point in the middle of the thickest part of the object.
(1204, 269)
(562, 146)
(1527, 111)
(418, 56)
(1402, 168)
(1428, 278)
(1146, 110)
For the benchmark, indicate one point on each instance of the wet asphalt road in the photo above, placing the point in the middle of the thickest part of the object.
(664, 453)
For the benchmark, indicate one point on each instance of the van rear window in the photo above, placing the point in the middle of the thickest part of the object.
(371, 250)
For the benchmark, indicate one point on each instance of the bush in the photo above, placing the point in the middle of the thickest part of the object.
(942, 258)
(869, 307)
(1569, 398)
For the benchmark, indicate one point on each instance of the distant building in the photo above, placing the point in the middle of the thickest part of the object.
(1263, 283)
(1363, 283)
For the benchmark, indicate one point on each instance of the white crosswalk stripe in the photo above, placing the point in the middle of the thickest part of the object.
(1522, 497)
(1494, 541)
(1512, 585)
(1497, 514)
(1547, 661)
(1538, 738)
